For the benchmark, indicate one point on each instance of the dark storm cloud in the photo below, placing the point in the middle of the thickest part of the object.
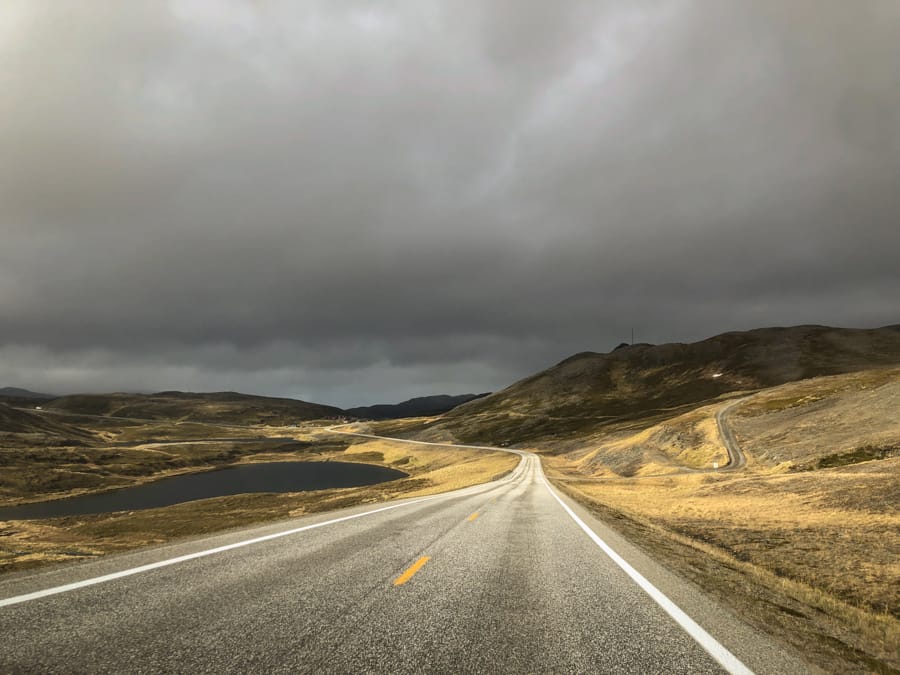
(350, 203)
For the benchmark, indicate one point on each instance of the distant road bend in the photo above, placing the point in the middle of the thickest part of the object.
(505, 577)
(736, 458)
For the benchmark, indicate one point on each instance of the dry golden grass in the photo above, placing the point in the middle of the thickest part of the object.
(690, 440)
(166, 430)
(797, 425)
(798, 526)
(25, 544)
(837, 635)
(820, 545)
(121, 456)
(440, 469)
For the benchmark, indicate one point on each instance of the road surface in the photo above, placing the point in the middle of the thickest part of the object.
(736, 458)
(506, 577)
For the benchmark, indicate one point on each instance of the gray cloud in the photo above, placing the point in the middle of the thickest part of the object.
(350, 204)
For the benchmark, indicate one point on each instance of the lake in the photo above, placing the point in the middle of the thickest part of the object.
(265, 477)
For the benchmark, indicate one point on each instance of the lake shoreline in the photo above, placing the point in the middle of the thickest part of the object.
(27, 544)
(163, 491)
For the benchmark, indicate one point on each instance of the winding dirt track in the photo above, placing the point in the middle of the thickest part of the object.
(736, 458)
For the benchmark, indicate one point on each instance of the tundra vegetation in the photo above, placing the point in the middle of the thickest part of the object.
(803, 541)
(49, 456)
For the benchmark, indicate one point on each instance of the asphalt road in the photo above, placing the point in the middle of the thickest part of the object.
(503, 577)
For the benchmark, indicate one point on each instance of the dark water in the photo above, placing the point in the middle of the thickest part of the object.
(269, 477)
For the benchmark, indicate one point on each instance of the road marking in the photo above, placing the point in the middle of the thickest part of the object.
(472, 517)
(715, 649)
(712, 646)
(408, 574)
(65, 588)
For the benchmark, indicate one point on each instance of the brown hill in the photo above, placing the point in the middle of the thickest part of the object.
(23, 422)
(17, 395)
(218, 407)
(592, 389)
(423, 406)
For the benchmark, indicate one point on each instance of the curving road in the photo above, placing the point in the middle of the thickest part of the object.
(505, 577)
(736, 458)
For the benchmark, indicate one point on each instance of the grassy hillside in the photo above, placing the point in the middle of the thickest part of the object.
(16, 425)
(14, 396)
(219, 407)
(804, 538)
(423, 406)
(19, 394)
(591, 390)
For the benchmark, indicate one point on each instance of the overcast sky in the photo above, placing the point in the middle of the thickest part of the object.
(355, 202)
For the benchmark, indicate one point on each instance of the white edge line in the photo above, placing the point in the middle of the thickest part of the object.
(715, 649)
(728, 660)
(712, 646)
(15, 600)
(65, 588)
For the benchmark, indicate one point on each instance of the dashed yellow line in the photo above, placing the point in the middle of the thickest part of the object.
(473, 516)
(408, 574)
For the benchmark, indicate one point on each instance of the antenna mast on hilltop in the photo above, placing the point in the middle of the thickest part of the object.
(632, 336)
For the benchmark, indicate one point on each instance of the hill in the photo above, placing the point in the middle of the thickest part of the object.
(423, 406)
(815, 423)
(219, 407)
(590, 389)
(22, 425)
(803, 537)
(22, 397)
(16, 392)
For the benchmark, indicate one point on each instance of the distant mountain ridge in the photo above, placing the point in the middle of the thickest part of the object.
(422, 406)
(225, 407)
(18, 393)
(587, 388)
(570, 396)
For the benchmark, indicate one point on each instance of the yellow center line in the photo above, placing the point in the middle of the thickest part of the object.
(473, 516)
(408, 574)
